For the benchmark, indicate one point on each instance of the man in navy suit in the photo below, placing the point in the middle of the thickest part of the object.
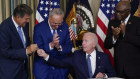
(53, 37)
(99, 65)
(15, 44)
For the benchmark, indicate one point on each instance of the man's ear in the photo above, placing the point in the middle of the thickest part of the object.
(94, 44)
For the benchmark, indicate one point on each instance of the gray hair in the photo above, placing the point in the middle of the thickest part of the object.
(57, 11)
(93, 35)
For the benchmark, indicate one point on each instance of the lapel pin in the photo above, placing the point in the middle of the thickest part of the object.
(98, 57)
(60, 30)
(129, 22)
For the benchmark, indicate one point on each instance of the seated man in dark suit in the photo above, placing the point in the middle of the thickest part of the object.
(87, 63)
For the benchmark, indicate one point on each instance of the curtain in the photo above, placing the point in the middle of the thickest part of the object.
(6, 10)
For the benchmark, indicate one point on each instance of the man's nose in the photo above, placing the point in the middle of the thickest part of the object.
(56, 26)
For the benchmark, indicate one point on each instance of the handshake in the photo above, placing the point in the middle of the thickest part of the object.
(42, 53)
(33, 48)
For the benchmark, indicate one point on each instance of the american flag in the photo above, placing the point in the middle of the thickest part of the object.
(71, 14)
(106, 13)
(43, 9)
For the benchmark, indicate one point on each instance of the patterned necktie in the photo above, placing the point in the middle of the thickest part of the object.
(21, 36)
(53, 32)
(89, 66)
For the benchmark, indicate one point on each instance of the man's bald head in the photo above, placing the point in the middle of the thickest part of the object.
(124, 5)
(123, 9)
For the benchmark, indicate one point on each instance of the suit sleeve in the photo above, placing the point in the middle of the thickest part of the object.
(9, 47)
(66, 62)
(37, 37)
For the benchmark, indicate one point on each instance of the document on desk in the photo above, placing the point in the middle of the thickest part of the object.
(107, 78)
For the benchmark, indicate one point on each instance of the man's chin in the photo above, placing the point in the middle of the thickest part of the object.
(84, 50)
(119, 18)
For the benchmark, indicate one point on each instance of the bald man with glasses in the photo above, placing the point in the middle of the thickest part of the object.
(124, 35)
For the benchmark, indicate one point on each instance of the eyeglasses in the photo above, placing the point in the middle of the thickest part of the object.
(57, 24)
(121, 12)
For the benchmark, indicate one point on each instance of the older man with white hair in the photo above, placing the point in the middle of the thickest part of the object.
(87, 63)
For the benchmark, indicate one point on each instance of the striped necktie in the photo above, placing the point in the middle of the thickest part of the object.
(89, 66)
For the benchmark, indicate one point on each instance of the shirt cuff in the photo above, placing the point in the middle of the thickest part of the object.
(114, 41)
(60, 49)
(26, 52)
(50, 47)
(105, 76)
(47, 58)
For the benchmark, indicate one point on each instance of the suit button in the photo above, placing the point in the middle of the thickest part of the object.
(53, 68)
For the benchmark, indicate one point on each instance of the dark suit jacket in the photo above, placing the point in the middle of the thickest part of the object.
(42, 37)
(78, 62)
(12, 51)
(127, 48)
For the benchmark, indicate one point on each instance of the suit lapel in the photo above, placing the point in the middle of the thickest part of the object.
(47, 32)
(84, 63)
(60, 33)
(97, 63)
(14, 30)
(129, 23)
(129, 20)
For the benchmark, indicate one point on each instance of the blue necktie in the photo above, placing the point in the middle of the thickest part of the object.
(89, 66)
(53, 32)
(21, 36)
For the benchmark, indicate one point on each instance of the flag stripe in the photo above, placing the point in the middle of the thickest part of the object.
(38, 17)
(100, 33)
(101, 25)
(72, 34)
(103, 17)
(106, 12)
(36, 22)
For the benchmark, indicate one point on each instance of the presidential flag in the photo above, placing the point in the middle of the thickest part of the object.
(70, 16)
(106, 13)
(43, 9)
(79, 12)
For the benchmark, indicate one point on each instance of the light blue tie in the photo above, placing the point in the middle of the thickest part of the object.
(53, 32)
(89, 66)
(21, 36)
